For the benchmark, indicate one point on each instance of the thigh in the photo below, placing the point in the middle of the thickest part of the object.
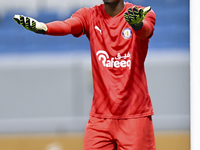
(97, 135)
(136, 134)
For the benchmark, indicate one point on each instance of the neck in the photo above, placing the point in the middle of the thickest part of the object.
(112, 9)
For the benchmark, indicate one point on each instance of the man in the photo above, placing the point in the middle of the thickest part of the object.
(119, 33)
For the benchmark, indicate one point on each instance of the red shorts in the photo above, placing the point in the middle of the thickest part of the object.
(119, 134)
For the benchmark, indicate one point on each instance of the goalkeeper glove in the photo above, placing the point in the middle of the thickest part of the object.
(134, 17)
(31, 24)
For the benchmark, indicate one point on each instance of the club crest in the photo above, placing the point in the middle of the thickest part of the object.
(127, 33)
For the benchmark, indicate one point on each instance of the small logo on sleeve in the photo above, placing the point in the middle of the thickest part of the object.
(127, 33)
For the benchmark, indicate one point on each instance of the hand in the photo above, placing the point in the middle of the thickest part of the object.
(134, 17)
(31, 24)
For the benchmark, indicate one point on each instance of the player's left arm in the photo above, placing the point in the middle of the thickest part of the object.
(142, 21)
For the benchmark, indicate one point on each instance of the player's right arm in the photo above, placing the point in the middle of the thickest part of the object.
(56, 28)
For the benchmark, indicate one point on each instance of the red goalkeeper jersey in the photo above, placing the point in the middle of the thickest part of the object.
(118, 54)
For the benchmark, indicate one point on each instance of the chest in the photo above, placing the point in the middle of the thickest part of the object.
(111, 34)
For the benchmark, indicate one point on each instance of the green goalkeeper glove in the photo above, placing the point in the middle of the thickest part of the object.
(31, 24)
(134, 17)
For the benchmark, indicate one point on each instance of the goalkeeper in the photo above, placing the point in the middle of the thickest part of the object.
(119, 33)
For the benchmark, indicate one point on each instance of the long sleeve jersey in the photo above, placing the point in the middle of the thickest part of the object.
(118, 54)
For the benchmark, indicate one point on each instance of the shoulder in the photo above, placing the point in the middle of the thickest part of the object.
(129, 4)
(81, 11)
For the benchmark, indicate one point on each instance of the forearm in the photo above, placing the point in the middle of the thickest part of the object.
(60, 28)
(146, 30)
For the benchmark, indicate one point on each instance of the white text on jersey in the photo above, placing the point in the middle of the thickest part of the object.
(116, 62)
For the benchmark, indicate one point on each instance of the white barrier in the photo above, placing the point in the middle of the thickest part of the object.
(53, 93)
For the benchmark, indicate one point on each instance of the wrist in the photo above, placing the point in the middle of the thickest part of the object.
(41, 28)
(138, 27)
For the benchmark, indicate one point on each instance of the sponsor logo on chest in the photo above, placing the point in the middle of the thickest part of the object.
(119, 61)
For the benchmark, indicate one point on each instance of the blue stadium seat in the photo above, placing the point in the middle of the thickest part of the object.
(171, 31)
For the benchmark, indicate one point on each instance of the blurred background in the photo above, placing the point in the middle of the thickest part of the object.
(46, 82)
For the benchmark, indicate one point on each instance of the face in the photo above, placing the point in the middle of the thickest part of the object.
(110, 1)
